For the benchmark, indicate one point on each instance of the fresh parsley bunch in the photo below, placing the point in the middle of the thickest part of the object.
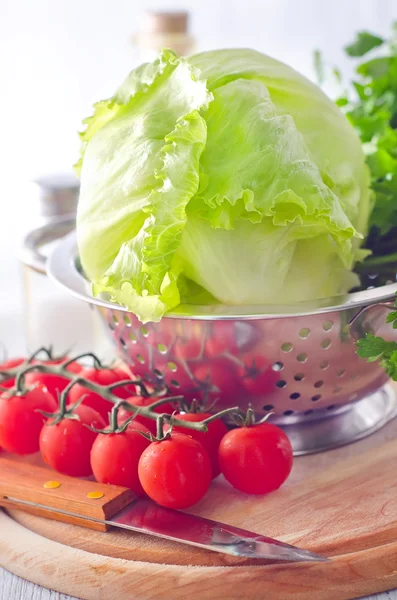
(373, 112)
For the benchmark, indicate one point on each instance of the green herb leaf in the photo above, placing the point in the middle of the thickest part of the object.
(374, 348)
(364, 43)
(372, 111)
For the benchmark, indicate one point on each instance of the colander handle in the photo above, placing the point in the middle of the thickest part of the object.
(31, 253)
(369, 319)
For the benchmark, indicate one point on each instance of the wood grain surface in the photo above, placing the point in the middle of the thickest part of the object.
(342, 503)
(15, 588)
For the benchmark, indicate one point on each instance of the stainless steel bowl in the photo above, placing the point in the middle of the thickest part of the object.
(298, 362)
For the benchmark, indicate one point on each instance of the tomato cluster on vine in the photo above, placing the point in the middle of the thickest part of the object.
(99, 420)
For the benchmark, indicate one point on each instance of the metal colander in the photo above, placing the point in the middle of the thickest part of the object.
(299, 362)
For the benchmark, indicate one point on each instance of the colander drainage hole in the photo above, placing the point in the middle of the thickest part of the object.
(302, 357)
(295, 396)
(281, 383)
(277, 366)
(299, 376)
(340, 372)
(287, 347)
(324, 364)
(268, 407)
(316, 398)
(304, 333)
(308, 412)
(287, 413)
(327, 325)
(319, 383)
(325, 344)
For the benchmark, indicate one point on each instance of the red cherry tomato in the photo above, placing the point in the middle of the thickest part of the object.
(175, 472)
(20, 421)
(210, 439)
(115, 457)
(217, 380)
(7, 384)
(150, 424)
(9, 364)
(101, 377)
(66, 446)
(55, 384)
(257, 374)
(222, 339)
(256, 459)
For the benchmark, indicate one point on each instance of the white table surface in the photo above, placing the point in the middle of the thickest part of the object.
(15, 588)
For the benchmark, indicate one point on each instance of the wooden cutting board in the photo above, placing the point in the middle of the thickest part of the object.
(341, 503)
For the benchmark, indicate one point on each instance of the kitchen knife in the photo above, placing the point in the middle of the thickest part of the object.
(40, 491)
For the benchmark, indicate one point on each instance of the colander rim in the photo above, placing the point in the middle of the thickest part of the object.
(63, 268)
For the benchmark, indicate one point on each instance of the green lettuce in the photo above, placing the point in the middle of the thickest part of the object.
(225, 177)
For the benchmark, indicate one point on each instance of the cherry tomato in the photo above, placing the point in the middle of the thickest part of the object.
(7, 384)
(115, 457)
(150, 424)
(256, 459)
(20, 421)
(217, 380)
(66, 446)
(210, 439)
(222, 339)
(101, 377)
(9, 364)
(175, 472)
(257, 374)
(55, 384)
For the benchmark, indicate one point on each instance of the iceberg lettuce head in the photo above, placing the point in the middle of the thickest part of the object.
(226, 177)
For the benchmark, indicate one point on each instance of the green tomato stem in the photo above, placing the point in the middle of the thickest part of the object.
(106, 393)
(220, 414)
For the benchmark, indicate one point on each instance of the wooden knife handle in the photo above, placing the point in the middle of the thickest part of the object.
(83, 500)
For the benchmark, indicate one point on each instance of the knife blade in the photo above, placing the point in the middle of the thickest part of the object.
(98, 506)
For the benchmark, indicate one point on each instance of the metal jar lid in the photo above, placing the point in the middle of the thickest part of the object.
(58, 194)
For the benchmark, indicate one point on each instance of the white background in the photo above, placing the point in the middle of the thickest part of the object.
(57, 57)
(60, 56)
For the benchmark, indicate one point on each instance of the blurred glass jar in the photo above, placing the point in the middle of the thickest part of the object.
(53, 317)
(163, 29)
